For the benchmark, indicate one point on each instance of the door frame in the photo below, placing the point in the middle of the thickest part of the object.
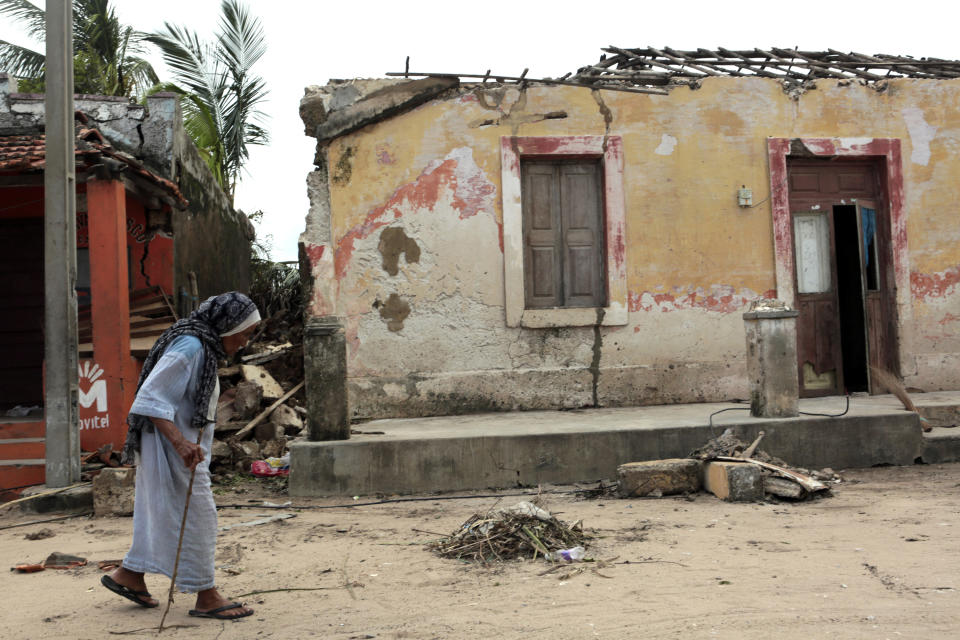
(888, 150)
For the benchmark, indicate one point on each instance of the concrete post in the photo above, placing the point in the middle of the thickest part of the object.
(771, 328)
(60, 254)
(325, 371)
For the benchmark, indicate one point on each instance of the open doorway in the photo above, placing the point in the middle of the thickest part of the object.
(850, 297)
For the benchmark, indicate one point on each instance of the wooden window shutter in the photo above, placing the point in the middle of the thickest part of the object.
(582, 219)
(563, 234)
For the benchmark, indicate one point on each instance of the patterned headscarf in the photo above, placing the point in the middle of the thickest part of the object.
(214, 318)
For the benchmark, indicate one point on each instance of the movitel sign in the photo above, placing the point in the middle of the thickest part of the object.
(100, 407)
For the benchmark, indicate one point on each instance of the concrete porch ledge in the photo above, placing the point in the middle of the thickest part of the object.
(503, 449)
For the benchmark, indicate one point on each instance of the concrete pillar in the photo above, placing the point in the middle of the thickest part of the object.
(60, 254)
(771, 328)
(110, 312)
(325, 371)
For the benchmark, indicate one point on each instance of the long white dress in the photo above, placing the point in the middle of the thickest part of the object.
(162, 479)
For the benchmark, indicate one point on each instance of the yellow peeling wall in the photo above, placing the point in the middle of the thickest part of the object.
(423, 302)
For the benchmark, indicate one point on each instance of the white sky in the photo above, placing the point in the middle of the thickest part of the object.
(310, 42)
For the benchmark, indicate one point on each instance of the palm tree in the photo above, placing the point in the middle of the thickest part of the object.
(107, 55)
(219, 94)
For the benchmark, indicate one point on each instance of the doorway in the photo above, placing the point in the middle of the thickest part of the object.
(843, 274)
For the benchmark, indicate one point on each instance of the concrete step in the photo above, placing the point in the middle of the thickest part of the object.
(942, 444)
(73, 500)
(502, 450)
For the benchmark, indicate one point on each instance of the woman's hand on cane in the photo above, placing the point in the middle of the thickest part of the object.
(190, 453)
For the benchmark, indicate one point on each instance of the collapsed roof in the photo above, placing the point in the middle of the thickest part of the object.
(663, 67)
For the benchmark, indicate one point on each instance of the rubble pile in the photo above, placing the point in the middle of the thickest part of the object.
(261, 407)
(779, 479)
(522, 531)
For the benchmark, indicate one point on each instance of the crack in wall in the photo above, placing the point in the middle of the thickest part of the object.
(597, 351)
(143, 260)
(606, 113)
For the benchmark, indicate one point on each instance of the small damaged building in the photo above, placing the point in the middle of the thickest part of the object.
(505, 244)
(154, 234)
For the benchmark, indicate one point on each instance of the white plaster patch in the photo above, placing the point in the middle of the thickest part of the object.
(852, 143)
(395, 391)
(666, 146)
(921, 134)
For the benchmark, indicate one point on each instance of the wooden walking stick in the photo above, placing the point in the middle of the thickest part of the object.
(183, 525)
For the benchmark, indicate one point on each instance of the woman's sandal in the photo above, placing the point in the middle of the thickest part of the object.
(218, 612)
(128, 593)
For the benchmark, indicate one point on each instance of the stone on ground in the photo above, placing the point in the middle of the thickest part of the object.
(733, 481)
(247, 403)
(659, 477)
(113, 492)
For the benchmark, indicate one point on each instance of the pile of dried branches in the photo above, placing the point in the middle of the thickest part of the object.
(521, 531)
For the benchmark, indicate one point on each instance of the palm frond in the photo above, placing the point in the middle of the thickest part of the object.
(241, 37)
(139, 74)
(192, 62)
(31, 17)
(20, 61)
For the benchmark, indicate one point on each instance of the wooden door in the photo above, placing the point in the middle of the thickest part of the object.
(879, 288)
(816, 187)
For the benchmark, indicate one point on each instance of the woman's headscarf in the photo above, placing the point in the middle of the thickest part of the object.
(218, 316)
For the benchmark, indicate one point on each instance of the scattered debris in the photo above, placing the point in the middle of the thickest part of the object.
(43, 534)
(524, 530)
(602, 490)
(55, 560)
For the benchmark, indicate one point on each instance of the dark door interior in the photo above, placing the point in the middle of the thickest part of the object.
(853, 340)
(21, 312)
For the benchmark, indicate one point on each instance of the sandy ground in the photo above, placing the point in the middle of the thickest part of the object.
(879, 559)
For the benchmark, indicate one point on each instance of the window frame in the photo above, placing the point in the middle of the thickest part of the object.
(610, 151)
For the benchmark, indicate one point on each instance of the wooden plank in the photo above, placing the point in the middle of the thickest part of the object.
(28, 427)
(266, 412)
(806, 482)
(22, 449)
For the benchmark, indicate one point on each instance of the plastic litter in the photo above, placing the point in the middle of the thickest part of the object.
(575, 554)
(271, 467)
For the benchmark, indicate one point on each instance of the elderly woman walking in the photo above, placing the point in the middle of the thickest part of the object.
(175, 403)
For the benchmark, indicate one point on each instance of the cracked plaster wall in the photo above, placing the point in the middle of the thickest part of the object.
(695, 259)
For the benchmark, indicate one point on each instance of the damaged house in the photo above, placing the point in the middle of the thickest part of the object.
(155, 234)
(504, 244)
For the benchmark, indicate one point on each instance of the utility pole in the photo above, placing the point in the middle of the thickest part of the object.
(60, 254)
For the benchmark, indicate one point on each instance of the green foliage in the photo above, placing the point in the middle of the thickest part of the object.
(275, 288)
(107, 55)
(220, 96)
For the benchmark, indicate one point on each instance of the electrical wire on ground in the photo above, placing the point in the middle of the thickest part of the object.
(803, 413)
(350, 505)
